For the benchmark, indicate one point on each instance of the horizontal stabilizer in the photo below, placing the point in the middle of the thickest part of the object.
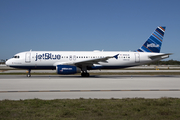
(161, 55)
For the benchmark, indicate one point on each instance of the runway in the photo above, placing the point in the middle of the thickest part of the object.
(16, 87)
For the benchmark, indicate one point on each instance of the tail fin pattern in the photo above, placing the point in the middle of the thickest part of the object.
(154, 42)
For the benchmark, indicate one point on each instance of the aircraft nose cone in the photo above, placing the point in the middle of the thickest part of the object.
(7, 63)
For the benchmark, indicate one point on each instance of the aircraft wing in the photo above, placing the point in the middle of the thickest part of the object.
(88, 62)
(94, 61)
(160, 56)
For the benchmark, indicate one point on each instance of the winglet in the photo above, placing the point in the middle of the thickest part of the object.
(116, 56)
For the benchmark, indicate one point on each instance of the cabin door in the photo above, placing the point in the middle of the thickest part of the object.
(28, 57)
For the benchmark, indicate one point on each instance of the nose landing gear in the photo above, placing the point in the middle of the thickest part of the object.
(29, 73)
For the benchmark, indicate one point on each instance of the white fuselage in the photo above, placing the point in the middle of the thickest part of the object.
(50, 59)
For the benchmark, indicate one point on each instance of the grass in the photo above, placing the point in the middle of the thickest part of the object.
(91, 109)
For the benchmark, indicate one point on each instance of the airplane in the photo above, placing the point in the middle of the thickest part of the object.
(71, 62)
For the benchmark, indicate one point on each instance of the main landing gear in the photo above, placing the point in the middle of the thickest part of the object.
(85, 74)
(29, 73)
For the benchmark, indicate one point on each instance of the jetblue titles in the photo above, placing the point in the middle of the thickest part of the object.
(47, 56)
(152, 45)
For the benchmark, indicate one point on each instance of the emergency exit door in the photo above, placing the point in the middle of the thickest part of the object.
(137, 57)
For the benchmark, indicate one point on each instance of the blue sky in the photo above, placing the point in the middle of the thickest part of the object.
(86, 25)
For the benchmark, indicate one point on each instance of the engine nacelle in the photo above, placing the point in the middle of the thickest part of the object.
(67, 69)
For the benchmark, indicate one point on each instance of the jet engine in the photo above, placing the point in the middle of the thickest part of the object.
(67, 69)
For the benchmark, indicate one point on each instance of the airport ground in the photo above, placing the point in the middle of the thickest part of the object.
(15, 87)
(141, 92)
(141, 82)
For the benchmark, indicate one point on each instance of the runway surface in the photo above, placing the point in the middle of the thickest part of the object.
(91, 71)
(15, 87)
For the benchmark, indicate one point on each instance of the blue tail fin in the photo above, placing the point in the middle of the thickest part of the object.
(154, 42)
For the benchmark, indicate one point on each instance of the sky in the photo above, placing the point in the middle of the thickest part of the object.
(86, 25)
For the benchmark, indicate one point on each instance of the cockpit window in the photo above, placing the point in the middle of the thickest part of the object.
(16, 56)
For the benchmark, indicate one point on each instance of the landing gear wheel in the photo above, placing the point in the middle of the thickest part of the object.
(29, 73)
(85, 74)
